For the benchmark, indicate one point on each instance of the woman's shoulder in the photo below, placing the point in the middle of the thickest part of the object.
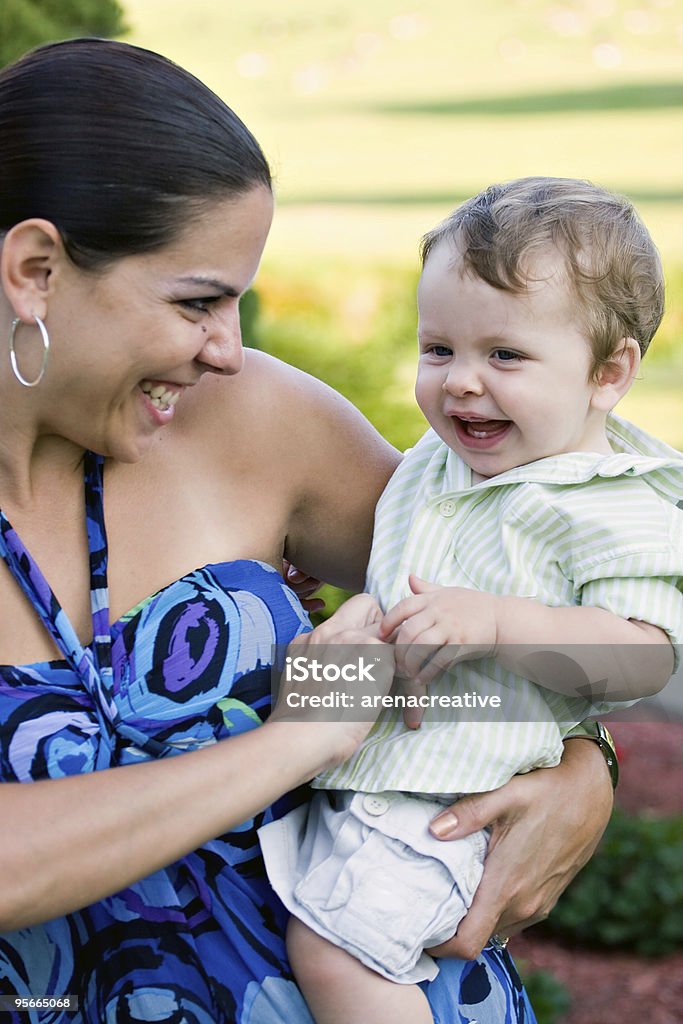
(283, 387)
(264, 388)
(284, 408)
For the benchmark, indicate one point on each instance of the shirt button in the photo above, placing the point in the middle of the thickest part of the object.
(375, 804)
(447, 509)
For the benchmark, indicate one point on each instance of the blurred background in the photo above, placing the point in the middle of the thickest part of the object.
(378, 118)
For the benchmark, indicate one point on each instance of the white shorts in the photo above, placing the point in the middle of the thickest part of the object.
(363, 870)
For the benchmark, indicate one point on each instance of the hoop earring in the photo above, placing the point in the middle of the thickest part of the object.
(13, 356)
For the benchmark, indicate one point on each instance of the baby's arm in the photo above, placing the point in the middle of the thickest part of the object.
(579, 650)
(583, 651)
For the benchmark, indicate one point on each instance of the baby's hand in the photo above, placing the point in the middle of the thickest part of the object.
(439, 627)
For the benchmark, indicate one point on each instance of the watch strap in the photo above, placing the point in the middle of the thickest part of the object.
(600, 734)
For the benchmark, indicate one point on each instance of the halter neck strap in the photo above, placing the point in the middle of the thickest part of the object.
(93, 664)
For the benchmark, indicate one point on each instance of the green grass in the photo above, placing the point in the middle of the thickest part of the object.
(370, 104)
(378, 118)
(361, 102)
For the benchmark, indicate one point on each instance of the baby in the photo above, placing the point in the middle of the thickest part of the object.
(529, 547)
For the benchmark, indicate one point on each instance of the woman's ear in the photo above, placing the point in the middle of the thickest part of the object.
(613, 379)
(31, 252)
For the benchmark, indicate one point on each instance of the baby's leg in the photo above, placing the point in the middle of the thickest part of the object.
(341, 990)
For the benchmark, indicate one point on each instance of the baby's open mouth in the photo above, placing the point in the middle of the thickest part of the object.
(482, 428)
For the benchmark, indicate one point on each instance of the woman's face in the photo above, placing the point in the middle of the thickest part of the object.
(127, 343)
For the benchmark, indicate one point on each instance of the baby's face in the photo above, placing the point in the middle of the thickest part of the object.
(504, 378)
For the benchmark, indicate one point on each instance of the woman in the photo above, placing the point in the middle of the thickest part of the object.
(134, 208)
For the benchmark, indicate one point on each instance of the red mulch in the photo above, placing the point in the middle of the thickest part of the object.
(616, 988)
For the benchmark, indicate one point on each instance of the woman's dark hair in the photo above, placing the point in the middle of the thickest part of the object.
(117, 146)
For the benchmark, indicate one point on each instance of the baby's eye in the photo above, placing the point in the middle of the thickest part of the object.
(505, 355)
(442, 351)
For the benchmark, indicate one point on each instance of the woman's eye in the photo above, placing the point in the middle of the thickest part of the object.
(200, 305)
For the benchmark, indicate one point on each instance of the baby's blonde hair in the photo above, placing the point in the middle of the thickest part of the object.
(611, 262)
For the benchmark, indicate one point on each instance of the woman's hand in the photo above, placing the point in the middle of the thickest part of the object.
(303, 585)
(360, 612)
(545, 826)
(330, 670)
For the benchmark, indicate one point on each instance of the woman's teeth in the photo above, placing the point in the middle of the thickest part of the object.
(160, 396)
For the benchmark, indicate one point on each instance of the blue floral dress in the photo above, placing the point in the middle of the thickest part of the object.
(201, 941)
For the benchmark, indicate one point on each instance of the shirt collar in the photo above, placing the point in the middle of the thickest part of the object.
(636, 454)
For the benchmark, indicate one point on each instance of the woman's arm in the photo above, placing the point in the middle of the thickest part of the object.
(545, 827)
(75, 840)
(69, 842)
(332, 463)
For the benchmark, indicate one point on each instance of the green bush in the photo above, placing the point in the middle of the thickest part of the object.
(250, 309)
(354, 328)
(548, 996)
(630, 894)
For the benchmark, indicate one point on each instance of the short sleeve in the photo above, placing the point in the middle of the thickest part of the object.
(634, 567)
(658, 601)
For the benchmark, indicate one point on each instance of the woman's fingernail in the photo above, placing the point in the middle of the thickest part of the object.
(444, 825)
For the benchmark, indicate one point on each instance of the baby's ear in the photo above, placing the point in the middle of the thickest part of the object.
(613, 379)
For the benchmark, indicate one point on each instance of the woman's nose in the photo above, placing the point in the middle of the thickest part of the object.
(222, 351)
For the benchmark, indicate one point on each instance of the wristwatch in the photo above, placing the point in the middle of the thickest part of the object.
(597, 732)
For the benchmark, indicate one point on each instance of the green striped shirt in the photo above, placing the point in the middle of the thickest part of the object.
(583, 528)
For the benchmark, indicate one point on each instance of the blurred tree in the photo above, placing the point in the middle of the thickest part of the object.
(27, 23)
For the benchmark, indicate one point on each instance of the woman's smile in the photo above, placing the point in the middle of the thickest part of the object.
(163, 396)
